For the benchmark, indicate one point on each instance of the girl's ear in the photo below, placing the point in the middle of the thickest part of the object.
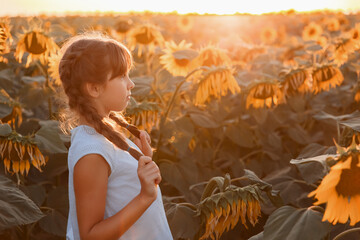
(93, 89)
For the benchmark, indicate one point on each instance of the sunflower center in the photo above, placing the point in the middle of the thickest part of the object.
(182, 62)
(123, 27)
(145, 37)
(312, 31)
(355, 35)
(349, 183)
(32, 44)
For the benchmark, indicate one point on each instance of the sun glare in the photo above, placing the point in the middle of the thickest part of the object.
(21, 7)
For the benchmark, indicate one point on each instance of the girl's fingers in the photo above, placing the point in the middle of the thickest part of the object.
(143, 160)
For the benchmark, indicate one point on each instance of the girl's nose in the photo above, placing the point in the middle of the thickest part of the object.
(131, 84)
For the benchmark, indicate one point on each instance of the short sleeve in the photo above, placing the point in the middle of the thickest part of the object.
(80, 151)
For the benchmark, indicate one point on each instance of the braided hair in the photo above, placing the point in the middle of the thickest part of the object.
(89, 58)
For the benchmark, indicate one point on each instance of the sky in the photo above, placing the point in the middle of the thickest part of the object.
(34, 7)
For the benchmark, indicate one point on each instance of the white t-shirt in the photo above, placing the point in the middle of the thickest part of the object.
(123, 185)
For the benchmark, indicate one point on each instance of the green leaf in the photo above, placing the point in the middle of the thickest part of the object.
(5, 130)
(296, 224)
(202, 119)
(259, 236)
(182, 220)
(312, 169)
(353, 123)
(15, 207)
(58, 199)
(323, 116)
(241, 135)
(35, 192)
(185, 54)
(48, 138)
(54, 223)
(142, 86)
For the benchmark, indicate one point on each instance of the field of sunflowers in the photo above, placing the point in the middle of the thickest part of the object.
(254, 121)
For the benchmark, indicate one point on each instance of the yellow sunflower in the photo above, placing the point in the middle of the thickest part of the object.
(123, 26)
(185, 23)
(332, 24)
(144, 115)
(312, 31)
(231, 206)
(5, 39)
(213, 56)
(326, 77)
(179, 60)
(297, 80)
(15, 117)
(268, 35)
(18, 152)
(144, 36)
(340, 188)
(37, 44)
(216, 83)
(264, 93)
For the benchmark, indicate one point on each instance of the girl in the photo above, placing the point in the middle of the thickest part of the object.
(111, 194)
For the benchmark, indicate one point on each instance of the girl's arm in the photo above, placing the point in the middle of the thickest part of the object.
(90, 185)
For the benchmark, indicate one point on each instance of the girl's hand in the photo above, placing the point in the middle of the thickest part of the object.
(149, 176)
(144, 143)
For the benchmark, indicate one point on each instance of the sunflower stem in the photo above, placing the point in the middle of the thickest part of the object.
(341, 235)
(171, 103)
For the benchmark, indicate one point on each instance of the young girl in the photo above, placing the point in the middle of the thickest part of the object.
(113, 187)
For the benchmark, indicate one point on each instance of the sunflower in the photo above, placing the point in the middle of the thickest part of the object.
(333, 24)
(123, 26)
(37, 44)
(312, 31)
(179, 59)
(222, 211)
(297, 80)
(18, 152)
(5, 39)
(268, 35)
(264, 93)
(326, 77)
(185, 23)
(340, 188)
(213, 56)
(144, 36)
(143, 115)
(15, 117)
(216, 82)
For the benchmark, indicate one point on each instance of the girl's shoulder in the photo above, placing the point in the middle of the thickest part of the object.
(85, 140)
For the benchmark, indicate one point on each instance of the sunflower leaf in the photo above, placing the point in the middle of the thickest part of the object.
(353, 123)
(54, 223)
(15, 207)
(314, 168)
(296, 224)
(5, 130)
(48, 137)
(183, 221)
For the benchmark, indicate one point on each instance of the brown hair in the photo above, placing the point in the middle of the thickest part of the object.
(90, 57)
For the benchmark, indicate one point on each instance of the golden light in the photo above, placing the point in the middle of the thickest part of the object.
(21, 7)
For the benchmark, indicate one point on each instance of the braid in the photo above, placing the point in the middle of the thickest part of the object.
(119, 120)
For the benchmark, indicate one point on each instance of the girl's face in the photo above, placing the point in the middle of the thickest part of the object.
(116, 93)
